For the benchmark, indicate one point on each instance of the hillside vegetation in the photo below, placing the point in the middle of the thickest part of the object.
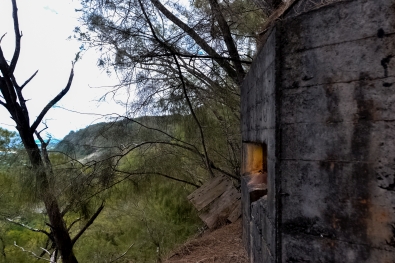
(140, 170)
(144, 217)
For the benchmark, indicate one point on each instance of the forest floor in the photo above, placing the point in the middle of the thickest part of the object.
(223, 245)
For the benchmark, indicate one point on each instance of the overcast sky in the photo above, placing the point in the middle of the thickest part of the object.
(46, 26)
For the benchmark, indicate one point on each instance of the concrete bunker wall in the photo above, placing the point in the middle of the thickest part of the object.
(321, 96)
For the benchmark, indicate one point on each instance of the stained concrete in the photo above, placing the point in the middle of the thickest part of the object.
(321, 95)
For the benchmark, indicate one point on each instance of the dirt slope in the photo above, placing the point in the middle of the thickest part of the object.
(223, 245)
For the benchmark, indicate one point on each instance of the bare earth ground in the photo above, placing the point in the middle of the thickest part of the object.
(223, 245)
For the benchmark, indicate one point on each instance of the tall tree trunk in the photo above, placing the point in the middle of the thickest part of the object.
(13, 100)
(56, 221)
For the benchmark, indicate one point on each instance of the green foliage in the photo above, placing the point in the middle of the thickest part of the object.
(148, 213)
(10, 149)
(8, 140)
(16, 205)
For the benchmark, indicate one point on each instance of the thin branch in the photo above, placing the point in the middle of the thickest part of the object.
(46, 246)
(183, 88)
(194, 117)
(224, 172)
(160, 174)
(53, 101)
(195, 36)
(68, 156)
(188, 56)
(27, 81)
(44, 151)
(18, 37)
(31, 252)
(90, 222)
(123, 254)
(6, 85)
(2, 37)
(74, 222)
(3, 104)
(193, 150)
(128, 174)
(22, 101)
(28, 227)
(230, 44)
(39, 132)
(163, 132)
(45, 251)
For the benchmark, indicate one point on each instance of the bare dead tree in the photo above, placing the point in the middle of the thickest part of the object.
(13, 101)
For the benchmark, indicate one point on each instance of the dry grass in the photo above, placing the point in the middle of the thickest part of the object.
(223, 245)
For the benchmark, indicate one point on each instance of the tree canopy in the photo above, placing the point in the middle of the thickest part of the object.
(180, 58)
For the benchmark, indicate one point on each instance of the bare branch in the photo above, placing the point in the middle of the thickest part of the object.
(44, 151)
(70, 157)
(128, 175)
(74, 222)
(28, 227)
(18, 37)
(90, 222)
(184, 90)
(3, 104)
(123, 254)
(195, 36)
(27, 81)
(194, 117)
(191, 149)
(2, 37)
(160, 174)
(45, 251)
(32, 253)
(187, 56)
(53, 101)
(163, 132)
(39, 132)
(22, 101)
(6, 86)
(230, 44)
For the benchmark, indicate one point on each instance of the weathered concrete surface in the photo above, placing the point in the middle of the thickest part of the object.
(259, 126)
(262, 232)
(337, 119)
(245, 214)
(321, 95)
(321, 249)
(258, 226)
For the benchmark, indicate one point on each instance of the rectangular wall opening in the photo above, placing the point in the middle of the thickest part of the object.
(254, 167)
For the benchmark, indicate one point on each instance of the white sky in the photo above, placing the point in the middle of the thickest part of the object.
(46, 25)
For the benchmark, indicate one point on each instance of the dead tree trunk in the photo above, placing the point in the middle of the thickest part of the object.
(12, 99)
